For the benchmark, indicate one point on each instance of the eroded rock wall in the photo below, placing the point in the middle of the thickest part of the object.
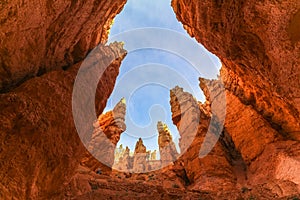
(257, 40)
(42, 46)
(212, 172)
(259, 47)
(39, 143)
(107, 131)
(261, 146)
(40, 36)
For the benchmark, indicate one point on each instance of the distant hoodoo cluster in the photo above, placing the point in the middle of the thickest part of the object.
(142, 160)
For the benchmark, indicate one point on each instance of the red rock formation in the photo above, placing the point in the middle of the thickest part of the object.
(125, 162)
(256, 139)
(139, 147)
(257, 43)
(39, 36)
(248, 130)
(167, 149)
(40, 147)
(139, 157)
(106, 135)
(120, 151)
(140, 162)
(88, 185)
(42, 127)
(260, 53)
(181, 103)
(213, 172)
(277, 169)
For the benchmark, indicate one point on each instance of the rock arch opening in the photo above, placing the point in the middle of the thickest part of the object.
(149, 73)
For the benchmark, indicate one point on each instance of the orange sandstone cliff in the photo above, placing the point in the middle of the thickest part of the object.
(257, 156)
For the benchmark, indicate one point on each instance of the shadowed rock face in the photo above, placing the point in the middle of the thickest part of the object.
(39, 143)
(39, 36)
(250, 153)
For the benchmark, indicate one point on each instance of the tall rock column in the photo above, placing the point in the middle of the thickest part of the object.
(105, 137)
(185, 115)
(167, 149)
(140, 154)
(214, 171)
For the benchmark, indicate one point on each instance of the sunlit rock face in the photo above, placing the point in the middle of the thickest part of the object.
(257, 154)
(140, 161)
(39, 36)
(106, 134)
(185, 115)
(250, 142)
(167, 149)
(213, 172)
(260, 38)
(123, 161)
(277, 168)
(256, 42)
(248, 130)
(139, 157)
(259, 49)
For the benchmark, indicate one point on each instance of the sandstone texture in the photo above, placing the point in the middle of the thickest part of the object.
(43, 44)
(258, 38)
(86, 185)
(167, 149)
(106, 134)
(258, 45)
(213, 172)
(40, 36)
(39, 143)
(252, 40)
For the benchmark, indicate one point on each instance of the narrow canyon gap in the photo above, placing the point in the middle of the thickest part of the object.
(148, 97)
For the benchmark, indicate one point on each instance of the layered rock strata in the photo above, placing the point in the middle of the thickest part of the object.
(38, 37)
(257, 43)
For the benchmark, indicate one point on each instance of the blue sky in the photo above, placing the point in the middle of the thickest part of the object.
(147, 74)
